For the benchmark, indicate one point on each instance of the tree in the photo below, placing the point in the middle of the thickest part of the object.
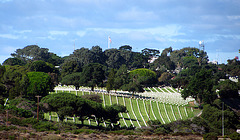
(114, 58)
(150, 52)
(92, 97)
(70, 65)
(165, 61)
(15, 81)
(177, 56)
(39, 84)
(228, 89)
(125, 47)
(112, 112)
(166, 51)
(110, 80)
(200, 87)
(164, 78)
(121, 77)
(14, 61)
(2, 87)
(84, 55)
(42, 66)
(133, 87)
(139, 60)
(92, 75)
(143, 76)
(98, 56)
(72, 79)
(64, 104)
(212, 114)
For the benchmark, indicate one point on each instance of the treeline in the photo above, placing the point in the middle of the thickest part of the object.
(35, 71)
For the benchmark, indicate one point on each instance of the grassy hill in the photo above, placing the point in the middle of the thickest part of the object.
(163, 104)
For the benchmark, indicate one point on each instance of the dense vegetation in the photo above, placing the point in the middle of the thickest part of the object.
(33, 71)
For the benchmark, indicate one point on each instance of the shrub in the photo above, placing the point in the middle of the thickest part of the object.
(160, 131)
(63, 126)
(17, 121)
(234, 136)
(210, 136)
(44, 126)
(30, 121)
(19, 112)
(86, 131)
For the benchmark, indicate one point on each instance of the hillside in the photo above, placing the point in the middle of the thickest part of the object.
(14, 131)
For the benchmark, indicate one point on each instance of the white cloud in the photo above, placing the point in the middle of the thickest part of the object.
(81, 33)
(58, 32)
(9, 36)
(23, 31)
(168, 30)
(135, 14)
(235, 17)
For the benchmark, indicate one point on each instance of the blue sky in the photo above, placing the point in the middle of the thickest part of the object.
(155, 24)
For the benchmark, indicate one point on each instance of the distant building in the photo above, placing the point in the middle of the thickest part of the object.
(213, 62)
(233, 78)
(152, 59)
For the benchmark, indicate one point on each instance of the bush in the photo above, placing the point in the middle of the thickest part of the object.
(234, 136)
(85, 131)
(210, 136)
(19, 112)
(4, 127)
(44, 126)
(30, 121)
(17, 121)
(160, 131)
(63, 126)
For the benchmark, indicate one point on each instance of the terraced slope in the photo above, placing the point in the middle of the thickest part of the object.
(140, 110)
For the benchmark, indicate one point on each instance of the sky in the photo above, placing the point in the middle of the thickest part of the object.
(62, 25)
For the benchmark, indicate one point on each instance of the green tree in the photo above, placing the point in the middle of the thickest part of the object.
(64, 104)
(133, 87)
(114, 58)
(39, 84)
(92, 97)
(98, 56)
(125, 47)
(143, 76)
(212, 114)
(92, 75)
(112, 113)
(72, 79)
(177, 56)
(84, 55)
(42, 66)
(110, 80)
(70, 65)
(200, 87)
(14, 61)
(139, 60)
(15, 81)
(2, 87)
(150, 52)
(164, 78)
(121, 77)
(165, 61)
(228, 89)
